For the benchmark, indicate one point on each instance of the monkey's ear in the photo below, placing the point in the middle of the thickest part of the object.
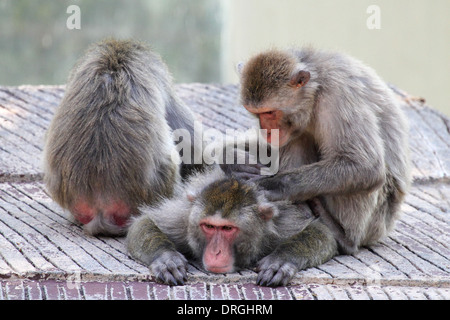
(239, 67)
(300, 78)
(191, 197)
(266, 211)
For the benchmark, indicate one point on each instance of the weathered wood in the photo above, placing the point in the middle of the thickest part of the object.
(44, 255)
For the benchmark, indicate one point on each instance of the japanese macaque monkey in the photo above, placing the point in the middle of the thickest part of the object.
(109, 147)
(342, 143)
(224, 224)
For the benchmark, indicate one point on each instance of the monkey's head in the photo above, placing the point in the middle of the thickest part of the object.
(274, 88)
(227, 225)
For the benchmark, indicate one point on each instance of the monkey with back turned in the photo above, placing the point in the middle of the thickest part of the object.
(109, 147)
(342, 139)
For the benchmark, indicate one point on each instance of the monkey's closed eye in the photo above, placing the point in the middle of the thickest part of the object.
(269, 115)
(208, 228)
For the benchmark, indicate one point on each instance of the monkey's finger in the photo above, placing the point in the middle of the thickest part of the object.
(255, 178)
(246, 176)
(180, 274)
(278, 279)
(182, 269)
(164, 273)
(283, 275)
(177, 268)
(168, 278)
(264, 277)
(250, 168)
(267, 271)
(273, 278)
(246, 172)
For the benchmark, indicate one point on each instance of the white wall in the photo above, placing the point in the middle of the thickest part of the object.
(411, 49)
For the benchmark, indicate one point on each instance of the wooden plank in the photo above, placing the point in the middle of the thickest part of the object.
(45, 255)
(37, 237)
(59, 290)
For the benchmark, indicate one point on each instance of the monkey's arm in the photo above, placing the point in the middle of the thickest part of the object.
(147, 243)
(352, 157)
(309, 248)
(328, 177)
(179, 116)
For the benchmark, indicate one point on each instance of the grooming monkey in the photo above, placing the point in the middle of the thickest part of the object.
(225, 225)
(109, 147)
(342, 139)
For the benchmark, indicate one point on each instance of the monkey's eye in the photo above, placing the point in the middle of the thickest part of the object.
(208, 228)
(227, 228)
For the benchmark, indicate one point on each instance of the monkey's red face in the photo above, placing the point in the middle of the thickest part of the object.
(270, 119)
(220, 235)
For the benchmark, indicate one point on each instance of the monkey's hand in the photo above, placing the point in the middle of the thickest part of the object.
(170, 268)
(275, 271)
(243, 171)
(273, 187)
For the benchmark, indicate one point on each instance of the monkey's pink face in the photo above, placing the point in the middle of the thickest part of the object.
(270, 119)
(220, 235)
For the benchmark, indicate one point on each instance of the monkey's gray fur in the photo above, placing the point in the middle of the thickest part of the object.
(110, 140)
(288, 238)
(353, 123)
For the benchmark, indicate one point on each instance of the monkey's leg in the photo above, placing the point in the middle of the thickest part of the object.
(309, 248)
(147, 243)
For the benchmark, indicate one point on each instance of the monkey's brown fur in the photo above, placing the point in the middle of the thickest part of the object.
(227, 196)
(266, 75)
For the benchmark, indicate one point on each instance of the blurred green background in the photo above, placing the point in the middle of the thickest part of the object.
(36, 47)
(203, 40)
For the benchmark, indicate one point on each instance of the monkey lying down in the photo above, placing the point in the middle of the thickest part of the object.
(226, 225)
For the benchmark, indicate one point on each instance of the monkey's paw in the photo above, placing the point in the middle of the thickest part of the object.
(243, 171)
(274, 271)
(170, 268)
(273, 188)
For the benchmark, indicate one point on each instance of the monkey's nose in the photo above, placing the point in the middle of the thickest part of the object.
(218, 252)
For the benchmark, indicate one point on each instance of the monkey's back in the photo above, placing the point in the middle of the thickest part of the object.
(107, 134)
(365, 106)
